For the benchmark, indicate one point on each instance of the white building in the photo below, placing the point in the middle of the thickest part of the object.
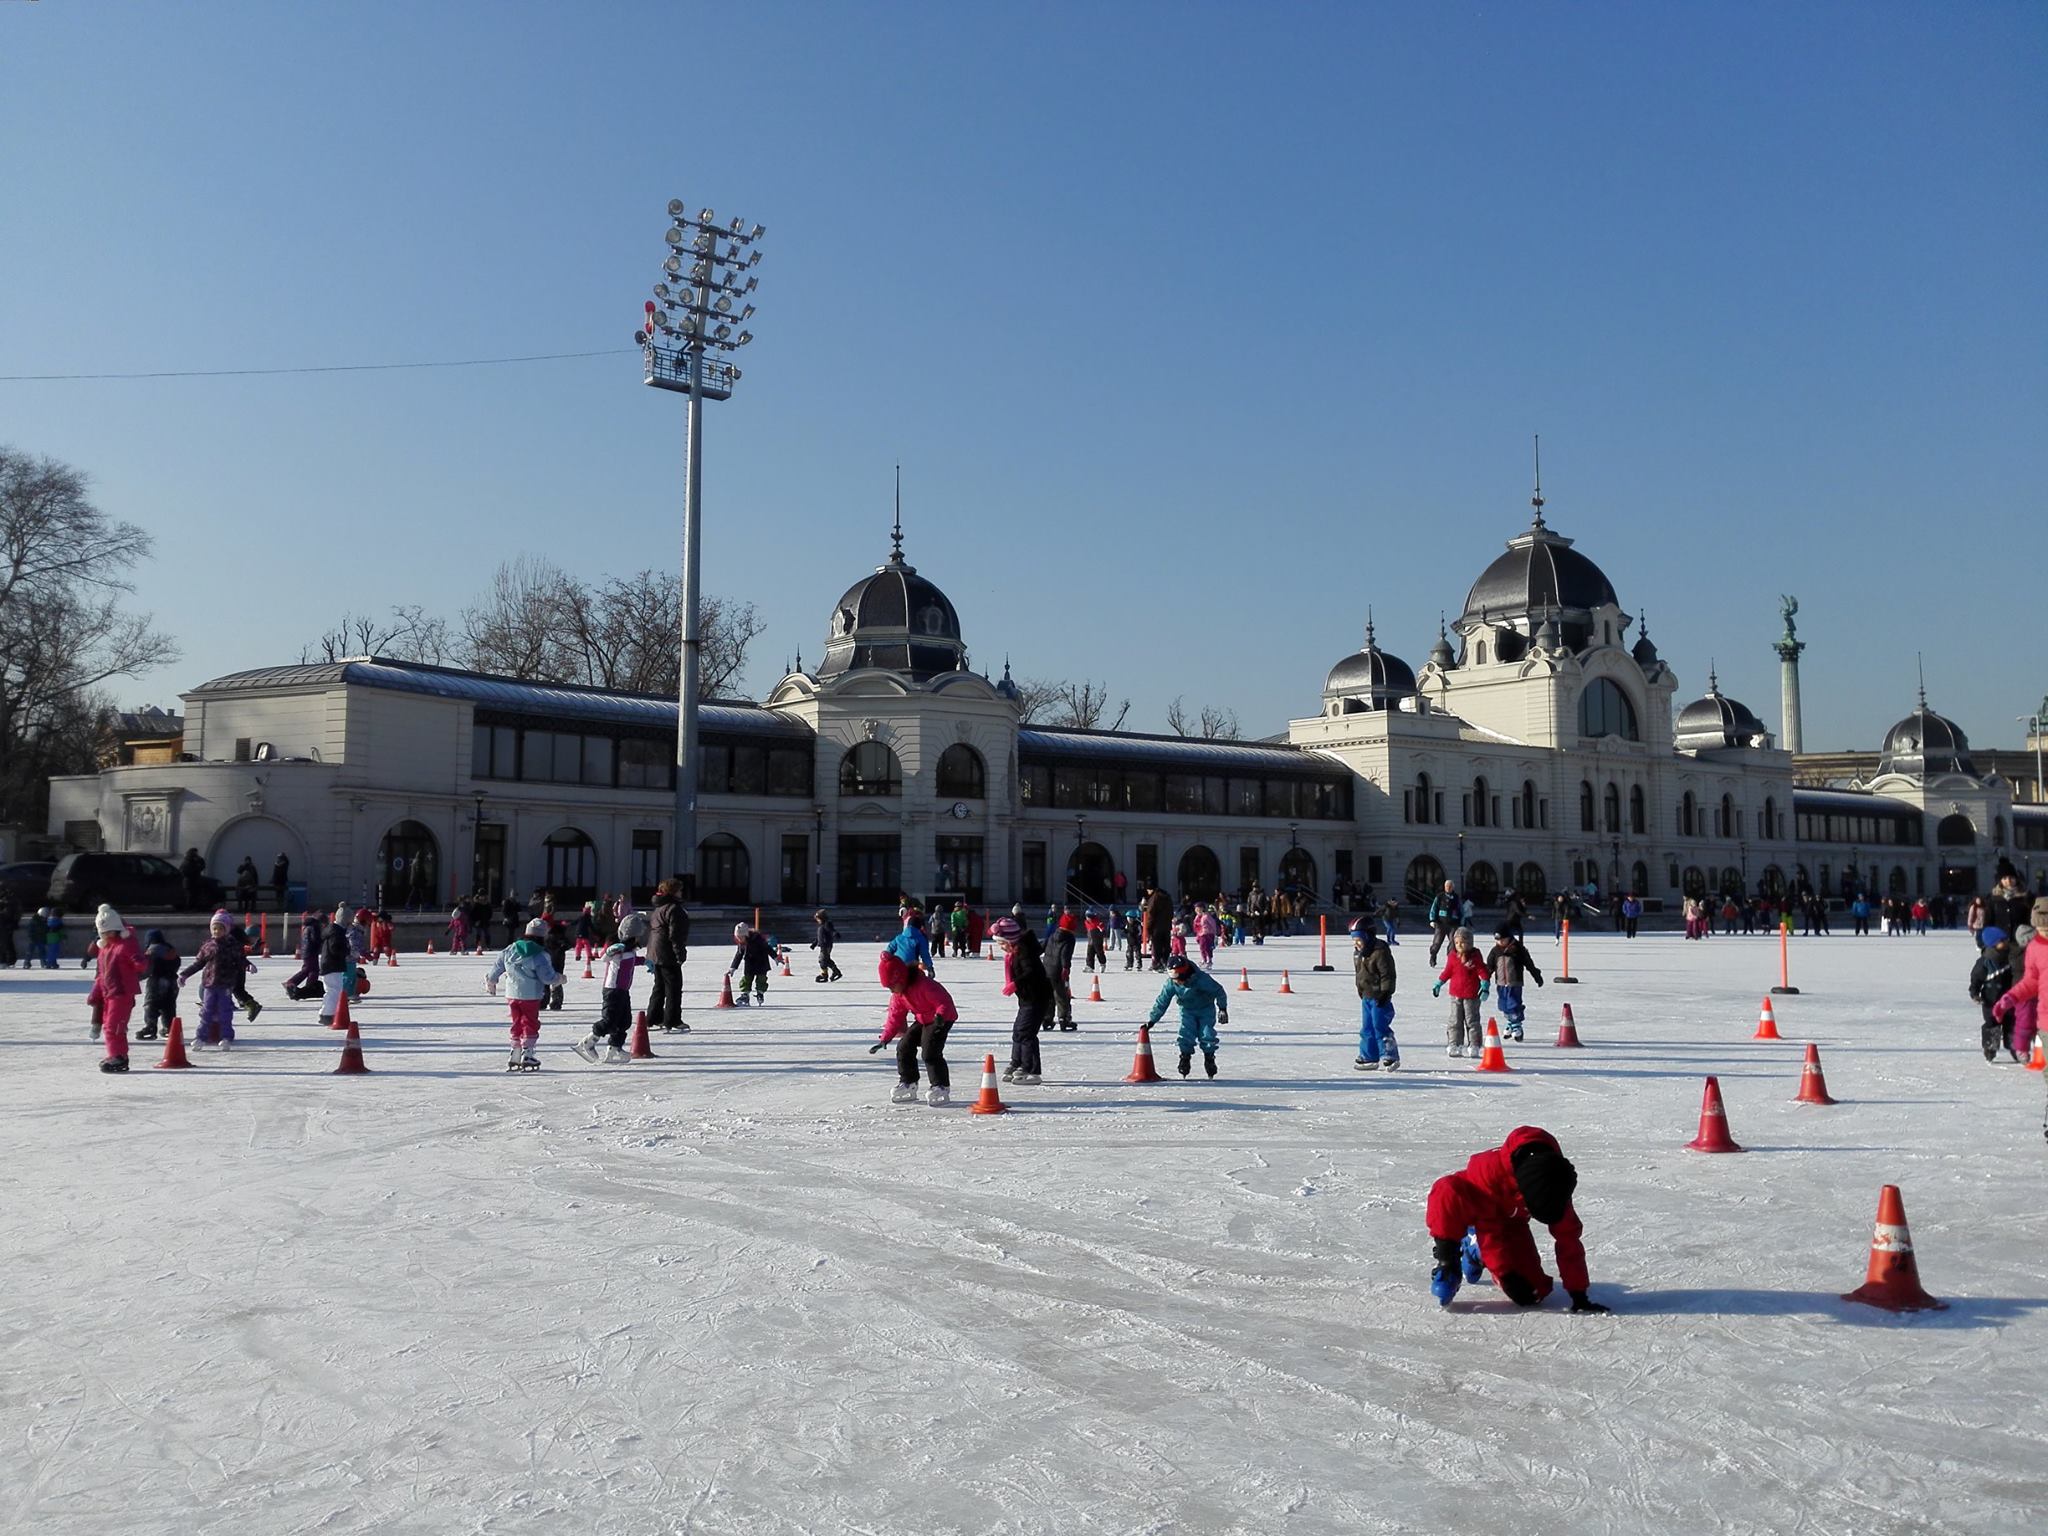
(1540, 747)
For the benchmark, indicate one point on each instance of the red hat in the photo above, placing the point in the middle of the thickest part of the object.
(1070, 924)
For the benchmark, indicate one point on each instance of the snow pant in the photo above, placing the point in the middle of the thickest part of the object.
(334, 983)
(665, 1002)
(1157, 940)
(1464, 1028)
(615, 1017)
(114, 1015)
(159, 1007)
(1440, 935)
(216, 1015)
(1132, 945)
(1207, 948)
(52, 950)
(1024, 1055)
(1511, 1007)
(1506, 1249)
(1629, 925)
(926, 1041)
(554, 1000)
(525, 1020)
(1388, 924)
(2024, 1027)
(1098, 954)
(828, 968)
(1376, 1031)
(1063, 1000)
(8, 958)
(1196, 1031)
(755, 982)
(309, 968)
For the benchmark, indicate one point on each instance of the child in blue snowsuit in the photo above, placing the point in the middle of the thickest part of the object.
(1203, 1005)
(1507, 963)
(53, 937)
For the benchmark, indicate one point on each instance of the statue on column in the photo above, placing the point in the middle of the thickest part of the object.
(1789, 606)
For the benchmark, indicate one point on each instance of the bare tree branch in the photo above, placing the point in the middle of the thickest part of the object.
(1084, 704)
(1210, 722)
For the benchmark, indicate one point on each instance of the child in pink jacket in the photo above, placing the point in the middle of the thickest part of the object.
(1206, 931)
(117, 981)
(911, 992)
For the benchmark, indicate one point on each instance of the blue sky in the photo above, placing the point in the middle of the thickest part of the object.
(1196, 328)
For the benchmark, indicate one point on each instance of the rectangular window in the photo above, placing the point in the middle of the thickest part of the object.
(1247, 868)
(480, 752)
(961, 865)
(1439, 817)
(749, 771)
(1101, 789)
(646, 764)
(1375, 869)
(597, 760)
(1034, 784)
(789, 771)
(1344, 865)
(1068, 793)
(1141, 791)
(569, 766)
(1465, 809)
(1543, 815)
(537, 756)
(646, 864)
(1034, 872)
(871, 868)
(714, 770)
(1247, 797)
(1183, 794)
(1215, 797)
(1148, 865)
(1494, 820)
(1408, 805)
(1279, 797)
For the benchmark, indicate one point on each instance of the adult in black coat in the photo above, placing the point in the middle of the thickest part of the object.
(668, 946)
(1059, 967)
(281, 878)
(247, 883)
(192, 867)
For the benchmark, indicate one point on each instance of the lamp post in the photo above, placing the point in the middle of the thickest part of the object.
(818, 854)
(1080, 841)
(1461, 864)
(696, 311)
(476, 843)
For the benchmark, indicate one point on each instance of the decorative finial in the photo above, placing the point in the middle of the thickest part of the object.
(1368, 626)
(1536, 500)
(1440, 633)
(1643, 625)
(799, 661)
(1006, 666)
(1713, 678)
(1921, 665)
(896, 534)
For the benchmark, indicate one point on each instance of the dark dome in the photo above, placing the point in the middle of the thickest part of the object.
(895, 619)
(1540, 572)
(1926, 745)
(1718, 721)
(1370, 675)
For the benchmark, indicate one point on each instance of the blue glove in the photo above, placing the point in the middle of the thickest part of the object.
(1468, 1256)
(1482, 991)
(1437, 990)
(1443, 1284)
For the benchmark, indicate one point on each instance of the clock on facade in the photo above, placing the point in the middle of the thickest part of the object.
(960, 811)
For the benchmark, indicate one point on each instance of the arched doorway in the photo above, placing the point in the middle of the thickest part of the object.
(1694, 881)
(1091, 874)
(1639, 878)
(1771, 882)
(1531, 881)
(1731, 881)
(1955, 832)
(408, 867)
(724, 871)
(1482, 884)
(260, 839)
(1424, 879)
(569, 862)
(1201, 876)
(1298, 872)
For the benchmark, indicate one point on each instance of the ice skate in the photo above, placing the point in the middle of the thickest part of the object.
(1468, 1258)
(614, 1057)
(1209, 1062)
(147, 1032)
(114, 1064)
(1454, 1050)
(514, 1061)
(1362, 1065)
(939, 1097)
(1443, 1284)
(1187, 1060)
(586, 1048)
(529, 1061)
(254, 1009)
(1010, 1074)
(1390, 1063)
(226, 1046)
(1514, 1033)
(903, 1093)
(1026, 1079)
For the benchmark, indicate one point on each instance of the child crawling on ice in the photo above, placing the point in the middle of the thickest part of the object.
(1479, 1222)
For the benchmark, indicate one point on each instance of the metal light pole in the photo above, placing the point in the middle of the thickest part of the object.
(692, 315)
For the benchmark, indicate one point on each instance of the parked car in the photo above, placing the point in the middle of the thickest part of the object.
(28, 883)
(82, 881)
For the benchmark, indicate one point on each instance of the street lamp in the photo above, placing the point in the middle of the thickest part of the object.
(1461, 863)
(1080, 841)
(476, 844)
(697, 310)
(818, 854)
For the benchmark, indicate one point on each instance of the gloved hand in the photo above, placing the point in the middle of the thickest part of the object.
(1484, 988)
(1222, 1018)
(1539, 981)
(1437, 990)
(1581, 1302)
(1518, 1289)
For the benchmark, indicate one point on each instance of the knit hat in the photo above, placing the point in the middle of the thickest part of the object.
(2037, 919)
(1546, 1179)
(1005, 930)
(154, 936)
(1462, 933)
(2022, 936)
(1069, 923)
(223, 918)
(341, 913)
(1181, 964)
(107, 920)
(1993, 936)
(890, 970)
(537, 929)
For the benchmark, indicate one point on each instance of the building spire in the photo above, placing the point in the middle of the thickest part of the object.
(1920, 665)
(896, 533)
(1713, 678)
(1368, 627)
(1536, 500)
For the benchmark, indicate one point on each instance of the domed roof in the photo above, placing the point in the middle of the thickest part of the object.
(1370, 675)
(1718, 721)
(1925, 745)
(894, 619)
(1540, 573)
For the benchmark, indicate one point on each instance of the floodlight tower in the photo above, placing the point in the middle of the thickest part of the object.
(698, 310)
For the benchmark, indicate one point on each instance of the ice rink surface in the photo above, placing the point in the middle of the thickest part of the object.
(736, 1290)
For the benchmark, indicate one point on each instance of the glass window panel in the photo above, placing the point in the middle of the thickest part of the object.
(1141, 791)
(789, 771)
(749, 770)
(1215, 797)
(597, 760)
(714, 769)
(538, 761)
(1182, 793)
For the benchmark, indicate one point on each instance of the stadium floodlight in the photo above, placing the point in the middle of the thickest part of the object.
(675, 207)
(672, 235)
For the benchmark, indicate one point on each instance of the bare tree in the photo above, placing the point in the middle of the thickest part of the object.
(63, 575)
(1036, 698)
(1085, 704)
(1209, 722)
(410, 634)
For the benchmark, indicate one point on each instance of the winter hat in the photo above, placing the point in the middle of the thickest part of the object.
(2022, 936)
(1070, 923)
(154, 936)
(633, 928)
(1005, 930)
(537, 929)
(1181, 964)
(1994, 936)
(2037, 919)
(1546, 1179)
(740, 932)
(1503, 932)
(1462, 933)
(341, 913)
(107, 920)
(890, 970)
(221, 919)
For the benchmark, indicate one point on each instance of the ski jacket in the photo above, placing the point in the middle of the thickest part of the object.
(160, 970)
(1059, 954)
(752, 954)
(1464, 972)
(335, 950)
(1486, 1198)
(913, 948)
(1201, 998)
(2029, 987)
(927, 1001)
(668, 936)
(118, 971)
(311, 932)
(618, 966)
(222, 961)
(1509, 961)
(1372, 967)
(1444, 909)
(525, 969)
(827, 937)
(1025, 968)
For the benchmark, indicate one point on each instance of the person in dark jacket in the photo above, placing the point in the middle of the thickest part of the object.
(1990, 979)
(281, 878)
(1157, 912)
(305, 981)
(556, 943)
(668, 946)
(159, 985)
(1024, 966)
(1372, 968)
(1059, 967)
(192, 867)
(827, 936)
(1509, 964)
(1445, 915)
(10, 917)
(247, 883)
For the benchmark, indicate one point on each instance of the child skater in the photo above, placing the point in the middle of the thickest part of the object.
(116, 981)
(2024, 1010)
(1206, 931)
(1507, 963)
(752, 955)
(1025, 979)
(826, 937)
(240, 936)
(1372, 968)
(1479, 1221)
(529, 975)
(53, 937)
(1465, 973)
(225, 967)
(159, 985)
(458, 929)
(1203, 1005)
(931, 1016)
(1990, 979)
(616, 967)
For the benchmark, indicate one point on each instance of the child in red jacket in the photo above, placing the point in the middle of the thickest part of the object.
(1464, 973)
(1479, 1221)
(116, 981)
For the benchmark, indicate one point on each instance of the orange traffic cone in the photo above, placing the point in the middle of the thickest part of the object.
(1491, 1057)
(785, 964)
(1568, 1031)
(1767, 1024)
(1813, 1088)
(725, 994)
(1142, 1070)
(430, 946)
(1095, 990)
(1284, 987)
(339, 1018)
(263, 923)
(1713, 1136)
(640, 1050)
(1244, 979)
(991, 1101)
(2036, 1060)
(588, 974)
(351, 1054)
(174, 1047)
(391, 958)
(1893, 1279)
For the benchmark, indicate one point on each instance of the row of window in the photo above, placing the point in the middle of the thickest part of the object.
(1066, 788)
(634, 762)
(1904, 829)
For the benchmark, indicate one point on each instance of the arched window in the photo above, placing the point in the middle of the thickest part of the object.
(1425, 878)
(1638, 812)
(1688, 815)
(1298, 871)
(962, 775)
(1091, 873)
(723, 869)
(1770, 827)
(1604, 710)
(1479, 802)
(870, 768)
(1611, 805)
(1694, 881)
(1639, 877)
(1586, 806)
(1898, 886)
(1531, 881)
(1731, 881)
(1772, 881)
(408, 866)
(1955, 832)
(1422, 800)
(1201, 876)
(1529, 805)
(571, 866)
(1482, 884)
